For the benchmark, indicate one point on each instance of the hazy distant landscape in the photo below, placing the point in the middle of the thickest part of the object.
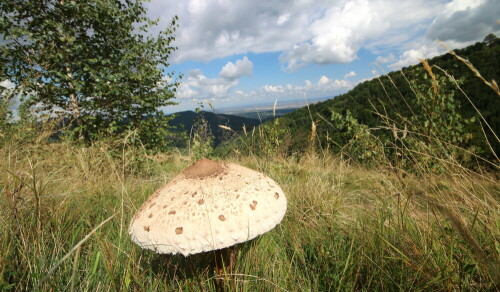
(265, 110)
(391, 180)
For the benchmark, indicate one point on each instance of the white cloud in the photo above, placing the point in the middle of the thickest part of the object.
(466, 21)
(337, 36)
(232, 71)
(346, 28)
(320, 31)
(413, 56)
(216, 29)
(197, 85)
(283, 19)
(323, 87)
(273, 88)
(386, 59)
(350, 74)
(326, 84)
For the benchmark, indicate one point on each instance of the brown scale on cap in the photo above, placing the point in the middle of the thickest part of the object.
(172, 212)
(253, 205)
(222, 218)
(200, 202)
(179, 230)
(146, 228)
(276, 195)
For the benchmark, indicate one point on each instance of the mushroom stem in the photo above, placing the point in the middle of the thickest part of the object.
(224, 261)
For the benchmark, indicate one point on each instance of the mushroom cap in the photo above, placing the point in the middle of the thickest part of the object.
(210, 205)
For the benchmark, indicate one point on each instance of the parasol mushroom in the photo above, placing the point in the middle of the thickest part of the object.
(210, 206)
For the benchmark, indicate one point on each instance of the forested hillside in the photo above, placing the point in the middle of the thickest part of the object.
(393, 97)
(188, 121)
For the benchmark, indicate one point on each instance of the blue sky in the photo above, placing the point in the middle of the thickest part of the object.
(243, 52)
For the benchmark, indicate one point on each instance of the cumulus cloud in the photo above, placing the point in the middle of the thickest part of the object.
(232, 71)
(273, 88)
(198, 88)
(466, 21)
(215, 29)
(458, 24)
(350, 74)
(413, 56)
(324, 86)
(386, 59)
(197, 85)
(345, 29)
(336, 37)
(321, 31)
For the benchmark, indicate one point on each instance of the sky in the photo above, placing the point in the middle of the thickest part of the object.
(246, 52)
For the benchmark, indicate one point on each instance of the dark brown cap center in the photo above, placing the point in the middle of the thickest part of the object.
(203, 168)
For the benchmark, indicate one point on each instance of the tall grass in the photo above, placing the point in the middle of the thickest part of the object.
(347, 228)
(65, 210)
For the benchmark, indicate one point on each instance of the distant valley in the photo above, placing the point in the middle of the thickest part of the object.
(186, 120)
(235, 118)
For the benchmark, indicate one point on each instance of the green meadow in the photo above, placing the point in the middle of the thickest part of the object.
(66, 208)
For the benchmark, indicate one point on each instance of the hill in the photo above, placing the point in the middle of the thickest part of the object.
(186, 120)
(265, 114)
(394, 96)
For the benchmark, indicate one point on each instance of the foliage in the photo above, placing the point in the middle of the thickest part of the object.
(271, 139)
(436, 110)
(153, 133)
(405, 99)
(91, 62)
(490, 39)
(186, 120)
(6, 99)
(202, 140)
(354, 140)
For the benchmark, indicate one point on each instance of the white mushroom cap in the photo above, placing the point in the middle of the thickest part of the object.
(210, 205)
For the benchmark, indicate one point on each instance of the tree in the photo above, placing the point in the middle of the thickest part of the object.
(490, 39)
(92, 62)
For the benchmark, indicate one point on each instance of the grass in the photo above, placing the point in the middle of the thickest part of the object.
(65, 212)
